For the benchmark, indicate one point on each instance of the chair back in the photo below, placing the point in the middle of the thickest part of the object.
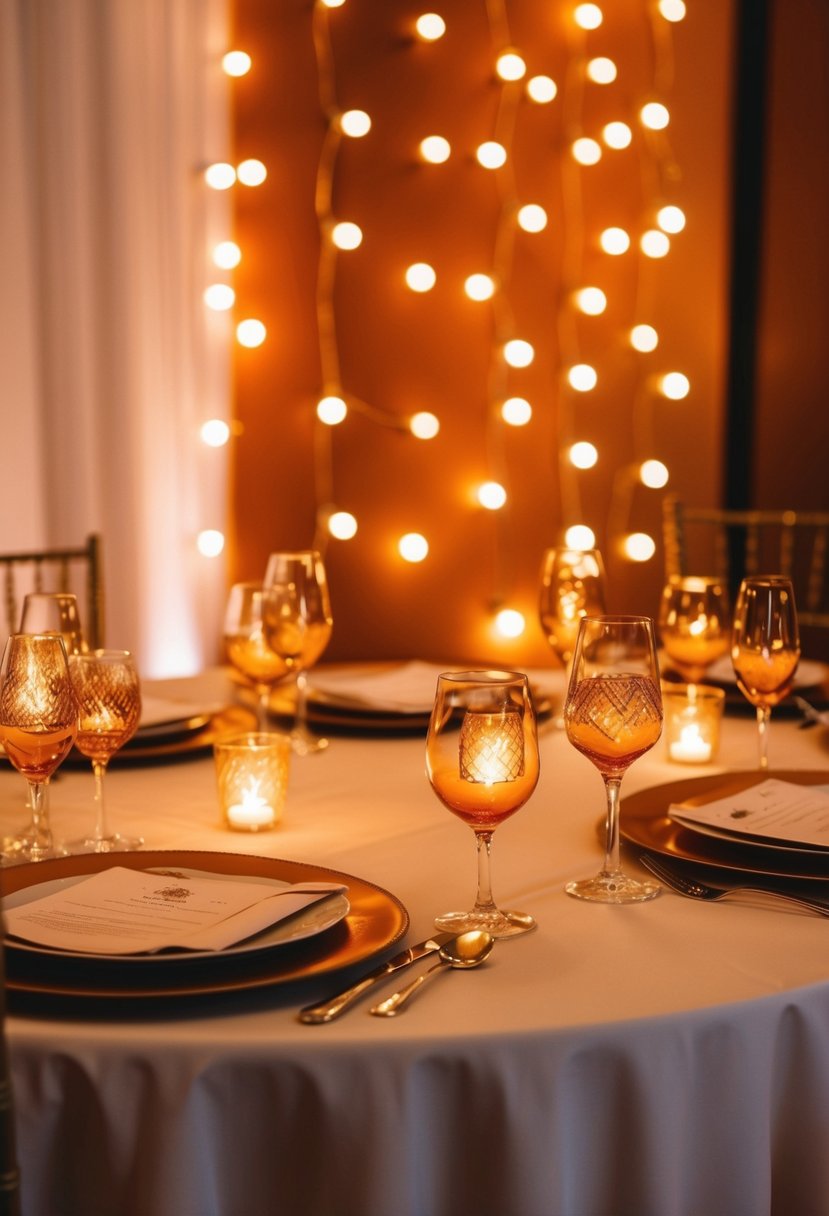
(733, 544)
(79, 570)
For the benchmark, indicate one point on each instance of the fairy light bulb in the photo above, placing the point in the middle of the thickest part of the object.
(644, 338)
(675, 386)
(420, 277)
(210, 542)
(251, 333)
(653, 474)
(582, 377)
(516, 411)
(654, 115)
(583, 455)
(331, 410)
(639, 547)
(532, 218)
(614, 241)
(671, 219)
(541, 89)
(510, 623)
(342, 525)
(236, 63)
(601, 70)
(332, 3)
(435, 150)
(588, 16)
(355, 123)
(430, 27)
(226, 255)
(251, 172)
(413, 547)
(347, 235)
(592, 301)
(654, 243)
(424, 425)
(518, 353)
(491, 495)
(579, 536)
(220, 176)
(617, 135)
(215, 433)
(510, 66)
(479, 287)
(586, 151)
(219, 297)
(672, 10)
(491, 154)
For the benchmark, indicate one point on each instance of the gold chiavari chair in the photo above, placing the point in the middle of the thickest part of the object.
(76, 569)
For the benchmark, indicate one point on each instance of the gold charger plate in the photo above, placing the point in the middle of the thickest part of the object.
(375, 920)
(191, 743)
(644, 821)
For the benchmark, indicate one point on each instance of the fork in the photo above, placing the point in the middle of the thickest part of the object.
(695, 889)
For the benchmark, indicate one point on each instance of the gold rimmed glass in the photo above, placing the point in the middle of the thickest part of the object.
(482, 762)
(694, 624)
(613, 715)
(38, 725)
(765, 647)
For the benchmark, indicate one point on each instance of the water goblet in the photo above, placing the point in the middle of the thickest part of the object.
(108, 693)
(613, 715)
(246, 646)
(694, 624)
(38, 725)
(482, 762)
(298, 623)
(765, 647)
(54, 612)
(572, 586)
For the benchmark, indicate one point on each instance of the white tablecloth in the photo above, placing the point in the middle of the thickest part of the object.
(666, 1059)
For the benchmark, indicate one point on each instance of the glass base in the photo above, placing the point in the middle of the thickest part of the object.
(105, 844)
(613, 889)
(19, 849)
(496, 923)
(305, 744)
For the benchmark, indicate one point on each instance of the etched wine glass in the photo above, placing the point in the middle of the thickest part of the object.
(613, 715)
(694, 624)
(108, 693)
(572, 586)
(298, 624)
(38, 725)
(482, 762)
(54, 612)
(246, 646)
(765, 647)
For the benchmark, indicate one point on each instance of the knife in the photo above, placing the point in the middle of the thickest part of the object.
(326, 1011)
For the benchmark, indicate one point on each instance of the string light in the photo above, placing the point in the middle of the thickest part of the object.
(424, 425)
(332, 410)
(518, 353)
(617, 135)
(588, 16)
(654, 116)
(675, 385)
(532, 218)
(220, 176)
(639, 547)
(516, 411)
(236, 63)
(251, 172)
(251, 333)
(653, 474)
(654, 243)
(491, 154)
(582, 377)
(591, 300)
(210, 542)
(413, 547)
(671, 219)
(672, 10)
(342, 525)
(479, 286)
(511, 66)
(586, 151)
(227, 255)
(219, 296)
(215, 432)
(583, 455)
(614, 241)
(510, 623)
(541, 89)
(347, 235)
(644, 338)
(435, 149)
(355, 124)
(491, 495)
(421, 277)
(580, 536)
(430, 27)
(601, 70)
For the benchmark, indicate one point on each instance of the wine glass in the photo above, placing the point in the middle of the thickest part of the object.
(54, 612)
(613, 715)
(298, 622)
(482, 762)
(694, 624)
(108, 693)
(765, 647)
(572, 586)
(247, 649)
(38, 724)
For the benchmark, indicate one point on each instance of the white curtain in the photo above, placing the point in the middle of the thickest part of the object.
(109, 112)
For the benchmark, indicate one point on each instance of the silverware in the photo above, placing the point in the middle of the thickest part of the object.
(465, 951)
(811, 716)
(327, 1010)
(694, 889)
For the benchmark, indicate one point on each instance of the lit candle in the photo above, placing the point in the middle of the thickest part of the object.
(690, 747)
(252, 811)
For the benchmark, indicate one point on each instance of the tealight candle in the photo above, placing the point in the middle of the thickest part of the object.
(252, 775)
(692, 721)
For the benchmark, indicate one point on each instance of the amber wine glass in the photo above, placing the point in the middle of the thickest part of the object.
(694, 624)
(54, 612)
(765, 647)
(108, 692)
(482, 762)
(572, 586)
(38, 724)
(613, 715)
(246, 647)
(298, 623)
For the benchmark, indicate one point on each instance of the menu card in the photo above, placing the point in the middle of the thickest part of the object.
(122, 911)
(773, 810)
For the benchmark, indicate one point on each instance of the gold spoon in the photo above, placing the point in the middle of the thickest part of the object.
(467, 950)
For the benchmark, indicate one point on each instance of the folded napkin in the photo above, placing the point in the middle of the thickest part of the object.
(408, 688)
(163, 711)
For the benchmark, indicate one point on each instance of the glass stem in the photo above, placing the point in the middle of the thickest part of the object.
(300, 712)
(763, 718)
(484, 901)
(39, 803)
(99, 769)
(611, 848)
(262, 707)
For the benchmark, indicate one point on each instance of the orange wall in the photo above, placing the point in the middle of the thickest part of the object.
(400, 351)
